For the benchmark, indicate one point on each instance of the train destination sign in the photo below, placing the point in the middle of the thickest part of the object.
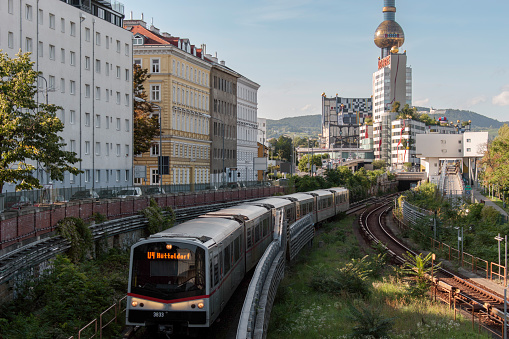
(168, 256)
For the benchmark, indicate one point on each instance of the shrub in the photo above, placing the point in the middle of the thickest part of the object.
(80, 236)
(158, 219)
(349, 279)
(369, 321)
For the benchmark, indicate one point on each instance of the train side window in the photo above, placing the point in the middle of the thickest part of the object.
(236, 249)
(265, 224)
(221, 265)
(257, 233)
(216, 273)
(227, 259)
(211, 275)
(249, 237)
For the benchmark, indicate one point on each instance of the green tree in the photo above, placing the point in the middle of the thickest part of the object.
(282, 147)
(379, 164)
(29, 132)
(495, 162)
(146, 126)
(315, 159)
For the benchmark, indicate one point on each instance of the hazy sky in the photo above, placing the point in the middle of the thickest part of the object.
(297, 49)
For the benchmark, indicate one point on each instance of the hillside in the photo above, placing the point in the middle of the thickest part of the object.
(309, 125)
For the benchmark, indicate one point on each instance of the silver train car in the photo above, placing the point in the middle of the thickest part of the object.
(181, 279)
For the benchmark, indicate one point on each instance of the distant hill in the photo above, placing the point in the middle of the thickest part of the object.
(309, 125)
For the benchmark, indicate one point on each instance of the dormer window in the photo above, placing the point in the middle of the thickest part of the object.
(138, 40)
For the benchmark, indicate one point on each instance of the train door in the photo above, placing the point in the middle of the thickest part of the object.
(215, 293)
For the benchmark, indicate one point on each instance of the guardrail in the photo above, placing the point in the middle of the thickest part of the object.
(301, 233)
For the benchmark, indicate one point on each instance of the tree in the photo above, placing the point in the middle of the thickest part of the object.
(315, 159)
(495, 162)
(282, 147)
(146, 127)
(379, 164)
(28, 130)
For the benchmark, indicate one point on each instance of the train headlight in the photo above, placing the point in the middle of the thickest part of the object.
(168, 247)
(200, 305)
(134, 303)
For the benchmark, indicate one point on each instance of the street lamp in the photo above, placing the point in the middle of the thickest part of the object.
(160, 162)
(46, 81)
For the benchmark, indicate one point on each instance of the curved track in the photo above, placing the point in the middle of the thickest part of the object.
(484, 305)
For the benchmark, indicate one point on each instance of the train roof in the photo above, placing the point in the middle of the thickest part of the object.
(201, 229)
(274, 202)
(297, 196)
(245, 211)
(320, 192)
(337, 189)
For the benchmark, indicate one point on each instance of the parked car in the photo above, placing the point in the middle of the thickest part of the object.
(108, 193)
(211, 187)
(154, 190)
(130, 192)
(85, 194)
(17, 202)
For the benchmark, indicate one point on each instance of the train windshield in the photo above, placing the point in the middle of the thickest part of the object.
(168, 270)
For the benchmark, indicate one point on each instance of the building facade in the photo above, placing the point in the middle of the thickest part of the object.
(247, 128)
(403, 136)
(341, 118)
(85, 59)
(179, 85)
(392, 82)
(262, 131)
(223, 125)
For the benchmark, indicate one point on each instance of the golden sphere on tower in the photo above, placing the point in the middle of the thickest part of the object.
(389, 34)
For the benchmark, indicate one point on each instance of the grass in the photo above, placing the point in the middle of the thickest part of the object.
(302, 312)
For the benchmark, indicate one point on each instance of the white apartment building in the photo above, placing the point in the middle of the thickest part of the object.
(247, 128)
(392, 82)
(262, 131)
(86, 66)
(403, 136)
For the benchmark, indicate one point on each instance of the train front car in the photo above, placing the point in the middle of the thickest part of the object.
(168, 278)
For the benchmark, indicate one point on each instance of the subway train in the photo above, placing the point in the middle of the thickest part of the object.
(180, 279)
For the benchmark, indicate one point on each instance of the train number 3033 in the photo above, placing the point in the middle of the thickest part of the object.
(158, 314)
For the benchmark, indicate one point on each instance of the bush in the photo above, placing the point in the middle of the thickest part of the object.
(349, 279)
(79, 235)
(369, 322)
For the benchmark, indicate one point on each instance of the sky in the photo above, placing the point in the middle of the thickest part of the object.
(298, 49)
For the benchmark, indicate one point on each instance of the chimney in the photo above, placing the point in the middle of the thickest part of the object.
(166, 34)
(131, 17)
(222, 62)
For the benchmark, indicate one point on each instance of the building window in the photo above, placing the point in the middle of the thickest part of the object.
(137, 62)
(52, 52)
(127, 176)
(117, 175)
(118, 150)
(118, 98)
(87, 175)
(51, 80)
(28, 45)
(107, 42)
(127, 74)
(97, 66)
(155, 92)
(118, 72)
(87, 63)
(10, 6)
(72, 117)
(469, 149)
(73, 145)
(126, 150)
(98, 93)
(62, 85)
(73, 29)
(127, 49)
(127, 125)
(72, 86)
(73, 58)
(118, 124)
(87, 119)
(154, 65)
(87, 91)
(107, 69)
(154, 150)
(97, 175)
(107, 119)
(107, 149)
(127, 100)
(28, 12)
(40, 49)
(98, 120)
(87, 34)
(98, 38)
(10, 40)
(118, 46)
(62, 55)
(138, 41)
(97, 148)
(87, 147)
(41, 17)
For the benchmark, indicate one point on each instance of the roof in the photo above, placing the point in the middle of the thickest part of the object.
(246, 211)
(274, 202)
(320, 192)
(202, 229)
(298, 196)
(337, 189)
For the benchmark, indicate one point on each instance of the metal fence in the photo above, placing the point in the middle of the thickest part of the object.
(52, 195)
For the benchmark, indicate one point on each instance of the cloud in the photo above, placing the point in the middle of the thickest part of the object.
(422, 102)
(503, 98)
(307, 108)
(476, 100)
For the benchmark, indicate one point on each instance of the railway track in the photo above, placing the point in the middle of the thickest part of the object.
(482, 304)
